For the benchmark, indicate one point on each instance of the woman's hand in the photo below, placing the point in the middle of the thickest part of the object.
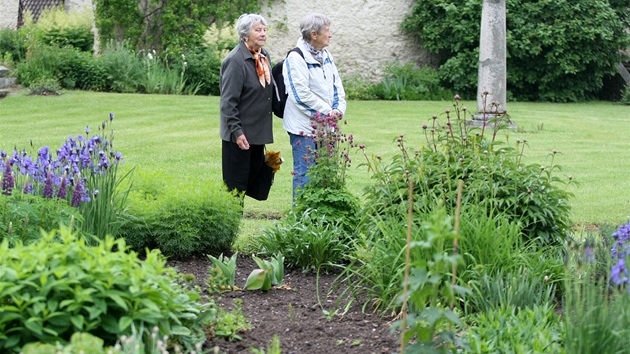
(242, 142)
(336, 114)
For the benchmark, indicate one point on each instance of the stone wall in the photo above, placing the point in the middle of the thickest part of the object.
(8, 13)
(366, 33)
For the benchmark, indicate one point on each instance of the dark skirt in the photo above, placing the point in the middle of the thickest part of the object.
(244, 170)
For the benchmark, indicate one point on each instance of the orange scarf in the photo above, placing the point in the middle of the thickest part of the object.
(262, 66)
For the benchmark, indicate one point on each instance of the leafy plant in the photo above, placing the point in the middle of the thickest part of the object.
(269, 273)
(231, 323)
(84, 173)
(326, 192)
(221, 276)
(23, 216)
(272, 348)
(59, 286)
(308, 240)
(493, 174)
(181, 218)
(429, 325)
(596, 314)
(506, 329)
(407, 82)
(518, 290)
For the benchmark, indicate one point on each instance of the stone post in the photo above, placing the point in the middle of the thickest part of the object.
(492, 80)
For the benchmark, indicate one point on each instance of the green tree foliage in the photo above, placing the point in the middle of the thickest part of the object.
(557, 50)
(162, 24)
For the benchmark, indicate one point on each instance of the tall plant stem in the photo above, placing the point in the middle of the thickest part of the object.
(407, 263)
(460, 187)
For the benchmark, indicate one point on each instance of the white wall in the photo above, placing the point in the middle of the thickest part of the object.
(366, 33)
(8, 13)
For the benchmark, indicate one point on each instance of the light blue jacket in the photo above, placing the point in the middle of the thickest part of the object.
(312, 88)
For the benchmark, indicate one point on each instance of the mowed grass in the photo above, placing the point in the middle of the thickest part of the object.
(179, 136)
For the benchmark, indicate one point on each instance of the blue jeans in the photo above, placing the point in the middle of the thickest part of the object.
(303, 149)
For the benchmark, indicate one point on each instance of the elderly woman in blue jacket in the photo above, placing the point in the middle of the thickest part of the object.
(313, 86)
(245, 104)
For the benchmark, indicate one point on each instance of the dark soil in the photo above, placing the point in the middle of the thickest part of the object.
(293, 313)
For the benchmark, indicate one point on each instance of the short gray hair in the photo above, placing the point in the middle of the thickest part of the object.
(245, 22)
(313, 22)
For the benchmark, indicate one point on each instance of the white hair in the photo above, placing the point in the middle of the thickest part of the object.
(245, 22)
(313, 22)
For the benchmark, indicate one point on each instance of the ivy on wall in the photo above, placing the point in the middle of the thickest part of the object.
(160, 25)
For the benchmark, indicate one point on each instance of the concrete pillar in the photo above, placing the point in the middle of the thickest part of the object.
(492, 59)
(9, 13)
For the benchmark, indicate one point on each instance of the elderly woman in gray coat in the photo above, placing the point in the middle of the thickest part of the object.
(246, 96)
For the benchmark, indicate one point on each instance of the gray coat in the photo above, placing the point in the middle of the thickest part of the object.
(245, 105)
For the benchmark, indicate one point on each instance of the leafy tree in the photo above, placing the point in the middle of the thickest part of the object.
(162, 24)
(557, 50)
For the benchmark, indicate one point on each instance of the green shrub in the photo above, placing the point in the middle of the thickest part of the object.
(124, 68)
(406, 82)
(202, 70)
(493, 174)
(358, 89)
(14, 43)
(45, 86)
(42, 62)
(71, 67)
(307, 240)
(24, 216)
(181, 218)
(80, 38)
(506, 329)
(80, 70)
(53, 289)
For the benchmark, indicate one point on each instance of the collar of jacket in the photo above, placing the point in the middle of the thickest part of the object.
(247, 54)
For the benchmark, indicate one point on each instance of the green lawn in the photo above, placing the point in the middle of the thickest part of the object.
(179, 135)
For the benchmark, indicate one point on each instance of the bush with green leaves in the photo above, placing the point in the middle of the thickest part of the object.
(165, 25)
(59, 286)
(181, 218)
(409, 83)
(306, 240)
(69, 66)
(123, 66)
(202, 70)
(493, 174)
(13, 43)
(506, 329)
(556, 50)
(24, 216)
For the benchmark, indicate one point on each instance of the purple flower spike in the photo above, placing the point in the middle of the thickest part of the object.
(77, 195)
(62, 193)
(48, 186)
(7, 180)
(111, 116)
